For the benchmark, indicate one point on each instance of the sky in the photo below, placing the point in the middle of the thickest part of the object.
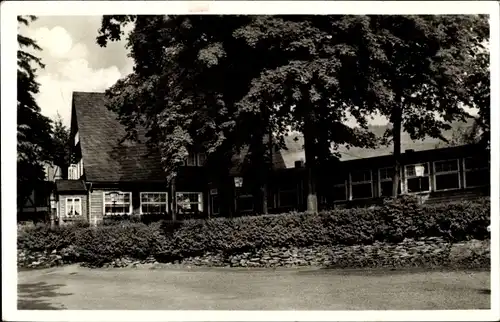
(73, 61)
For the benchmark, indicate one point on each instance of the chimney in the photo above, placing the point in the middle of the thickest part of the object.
(299, 163)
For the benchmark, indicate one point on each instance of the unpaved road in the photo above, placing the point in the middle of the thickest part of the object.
(74, 287)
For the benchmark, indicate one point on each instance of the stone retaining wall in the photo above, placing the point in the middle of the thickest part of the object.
(430, 252)
(425, 252)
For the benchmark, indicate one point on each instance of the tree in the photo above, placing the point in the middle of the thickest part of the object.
(33, 129)
(61, 145)
(309, 78)
(422, 68)
(478, 93)
(180, 91)
(224, 82)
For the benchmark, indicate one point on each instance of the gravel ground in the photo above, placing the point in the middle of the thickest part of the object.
(150, 288)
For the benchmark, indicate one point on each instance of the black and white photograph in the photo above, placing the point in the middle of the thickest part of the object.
(251, 160)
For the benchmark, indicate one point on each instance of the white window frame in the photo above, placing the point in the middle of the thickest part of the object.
(119, 192)
(72, 172)
(197, 162)
(280, 191)
(200, 195)
(471, 170)
(346, 194)
(153, 203)
(380, 180)
(436, 174)
(428, 176)
(73, 199)
(360, 183)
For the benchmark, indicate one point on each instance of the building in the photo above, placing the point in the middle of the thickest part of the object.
(39, 204)
(112, 176)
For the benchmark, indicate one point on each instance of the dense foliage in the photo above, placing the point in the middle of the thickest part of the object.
(221, 82)
(392, 222)
(34, 141)
(61, 145)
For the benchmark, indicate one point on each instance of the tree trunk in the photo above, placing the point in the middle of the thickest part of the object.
(263, 199)
(259, 170)
(312, 199)
(396, 135)
(270, 168)
(174, 200)
(228, 196)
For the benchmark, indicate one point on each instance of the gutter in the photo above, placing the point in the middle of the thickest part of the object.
(89, 201)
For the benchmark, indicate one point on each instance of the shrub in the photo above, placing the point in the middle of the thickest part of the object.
(391, 222)
(102, 244)
(42, 238)
(135, 218)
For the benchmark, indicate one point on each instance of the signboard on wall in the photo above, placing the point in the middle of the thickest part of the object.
(238, 182)
(419, 170)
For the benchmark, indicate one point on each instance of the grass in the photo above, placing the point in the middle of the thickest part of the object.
(74, 287)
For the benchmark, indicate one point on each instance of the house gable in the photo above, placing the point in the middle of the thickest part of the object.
(109, 159)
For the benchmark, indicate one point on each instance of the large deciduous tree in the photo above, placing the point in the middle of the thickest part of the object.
(479, 94)
(224, 82)
(34, 143)
(425, 69)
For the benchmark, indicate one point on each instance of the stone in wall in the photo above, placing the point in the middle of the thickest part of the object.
(425, 252)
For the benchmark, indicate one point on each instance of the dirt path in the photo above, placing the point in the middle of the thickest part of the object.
(74, 287)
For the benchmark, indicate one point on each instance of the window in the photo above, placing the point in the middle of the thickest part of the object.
(77, 138)
(361, 184)
(72, 172)
(339, 187)
(416, 181)
(154, 202)
(195, 159)
(244, 197)
(244, 203)
(215, 205)
(189, 202)
(75, 170)
(287, 195)
(117, 203)
(477, 172)
(446, 175)
(73, 207)
(191, 159)
(202, 158)
(385, 182)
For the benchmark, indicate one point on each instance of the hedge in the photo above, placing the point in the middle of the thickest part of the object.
(166, 241)
(392, 222)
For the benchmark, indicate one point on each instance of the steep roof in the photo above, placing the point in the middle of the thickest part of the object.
(70, 186)
(278, 161)
(296, 151)
(105, 158)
